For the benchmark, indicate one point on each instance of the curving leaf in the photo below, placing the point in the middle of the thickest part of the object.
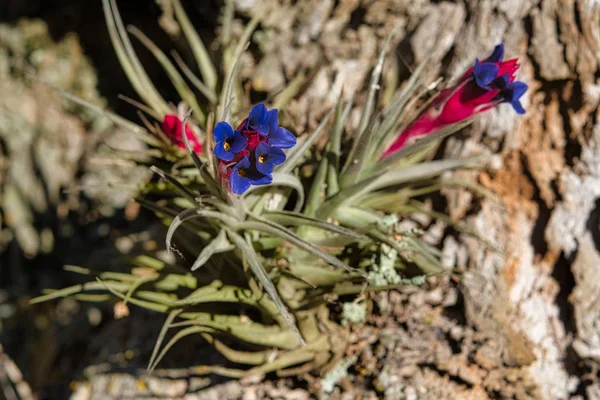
(277, 230)
(299, 151)
(207, 68)
(220, 244)
(262, 276)
(195, 213)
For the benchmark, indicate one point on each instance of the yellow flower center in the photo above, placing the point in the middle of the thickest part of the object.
(226, 146)
(262, 159)
(241, 172)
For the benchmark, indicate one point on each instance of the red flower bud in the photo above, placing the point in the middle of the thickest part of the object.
(171, 126)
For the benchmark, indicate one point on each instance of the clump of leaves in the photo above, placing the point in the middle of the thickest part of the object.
(271, 250)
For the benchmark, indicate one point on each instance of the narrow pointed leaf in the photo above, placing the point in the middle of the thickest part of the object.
(207, 68)
(286, 180)
(298, 219)
(299, 151)
(182, 88)
(161, 336)
(194, 213)
(363, 139)
(176, 184)
(262, 276)
(177, 337)
(210, 95)
(277, 230)
(217, 245)
(335, 147)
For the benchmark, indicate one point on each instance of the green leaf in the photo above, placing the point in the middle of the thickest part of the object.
(182, 88)
(361, 148)
(177, 337)
(194, 213)
(210, 95)
(226, 94)
(182, 190)
(283, 179)
(220, 244)
(161, 336)
(316, 196)
(207, 68)
(271, 228)
(297, 219)
(71, 290)
(211, 184)
(129, 60)
(367, 113)
(396, 107)
(335, 146)
(382, 180)
(422, 171)
(137, 130)
(259, 271)
(298, 152)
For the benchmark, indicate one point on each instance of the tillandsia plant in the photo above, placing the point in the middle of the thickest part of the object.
(253, 226)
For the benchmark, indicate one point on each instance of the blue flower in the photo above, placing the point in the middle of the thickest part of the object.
(485, 73)
(267, 157)
(244, 175)
(261, 120)
(228, 141)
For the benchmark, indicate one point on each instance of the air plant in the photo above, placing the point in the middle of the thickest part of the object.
(254, 227)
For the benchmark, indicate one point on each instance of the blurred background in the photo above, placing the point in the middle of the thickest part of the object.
(520, 323)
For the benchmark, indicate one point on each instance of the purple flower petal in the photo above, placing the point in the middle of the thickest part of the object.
(272, 119)
(239, 142)
(519, 88)
(222, 132)
(238, 184)
(282, 138)
(277, 156)
(497, 55)
(221, 153)
(516, 104)
(262, 180)
(484, 74)
(257, 119)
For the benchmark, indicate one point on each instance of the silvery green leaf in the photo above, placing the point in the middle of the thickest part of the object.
(219, 244)
(298, 219)
(176, 184)
(194, 213)
(207, 68)
(299, 151)
(417, 145)
(363, 139)
(180, 85)
(129, 60)
(335, 146)
(283, 179)
(277, 230)
(161, 336)
(259, 271)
